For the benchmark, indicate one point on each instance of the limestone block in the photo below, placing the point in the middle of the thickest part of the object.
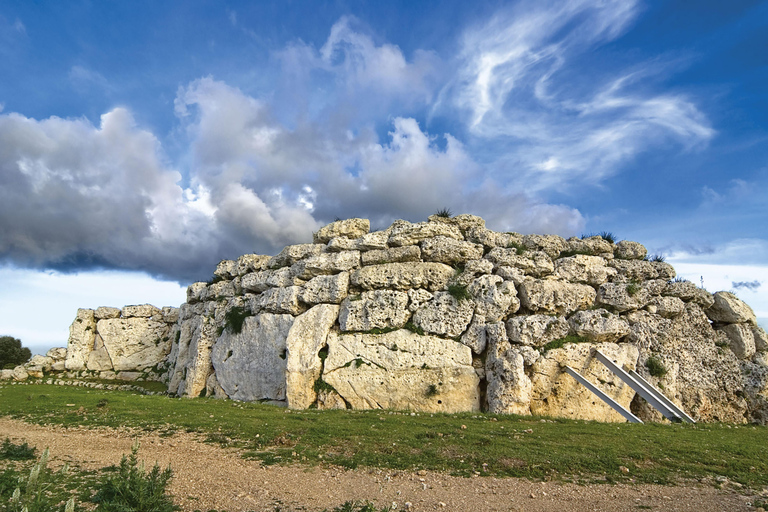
(449, 250)
(555, 393)
(740, 338)
(58, 366)
(281, 300)
(463, 221)
(251, 365)
(509, 388)
(248, 263)
(494, 298)
(475, 336)
(729, 309)
(402, 276)
(627, 250)
(374, 309)
(622, 297)
(348, 228)
(44, 363)
(103, 312)
(170, 314)
(703, 298)
(193, 362)
(221, 289)
(534, 263)
(226, 269)
(293, 253)
(263, 280)
(684, 290)
(57, 354)
(82, 333)
(98, 359)
(329, 400)
(135, 342)
(213, 388)
(6, 374)
(402, 370)
(480, 266)
(664, 270)
(552, 296)
(196, 292)
(305, 338)
(633, 270)
(325, 289)
(593, 245)
(417, 297)
(444, 315)
(513, 274)
(326, 264)
(536, 330)
(599, 326)
(552, 245)
(140, 311)
(128, 376)
(668, 307)
(392, 255)
(373, 241)
(411, 234)
(341, 244)
(19, 374)
(590, 270)
(761, 338)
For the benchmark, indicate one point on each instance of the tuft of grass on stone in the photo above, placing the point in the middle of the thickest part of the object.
(234, 319)
(632, 289)
(459, 292)
(655, 367)
(607, 236)
(559, 343)
(519, 248)
(444, 212)
(414, 328)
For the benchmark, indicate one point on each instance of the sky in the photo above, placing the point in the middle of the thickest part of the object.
(142, 142)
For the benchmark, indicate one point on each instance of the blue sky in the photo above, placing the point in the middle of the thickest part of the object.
(142, 142)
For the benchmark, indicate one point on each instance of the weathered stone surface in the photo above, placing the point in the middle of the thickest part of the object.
(213, 389)
(82, 333)
(374, 309)
(140, 311)
(444, 315)
(98, 359)
(552, 296)
(251, 365)
(463, 221)
(729, 309)
(19, 374)
(305, 338)
(258, 282)
(684, 290)
(170, 314)
(326, 264)
(193, 356)
(221, 289)
(402, 370)
(475, 336)
(555, 393)
(533, 263)
(515, 275)
(449, 250)
(761, 338)
(509, 388)
(392, 255)
(373, 241)
(536, 330)
(591, 270)
(226, 269)
(325, 289)
(668, 307)
(479, 267)
(417, 297)
(410, 234)
(598, 326)
(494, 298)
(630, 250)
(103, 312)
(293, 253)
(248, 263)
(57, 353)
(634, 270)
(593, 246)
(348, 228)
(328, 399)
(740, 339)
(622, 297)
(196, 292)
(664, 270)
(551, 245)
(281, 300)
(7, 374)
(402, 276)
(341, 244)
(135, 342)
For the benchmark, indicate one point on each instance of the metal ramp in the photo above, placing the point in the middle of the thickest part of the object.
(641, 386)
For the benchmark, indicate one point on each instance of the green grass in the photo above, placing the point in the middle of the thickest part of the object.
(445, 213)
(560, 342)
(459, 292)
(11, 451)
(655, 367)
(519, 248)
(509, 445)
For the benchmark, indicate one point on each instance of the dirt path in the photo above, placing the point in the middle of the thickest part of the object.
(208, 477)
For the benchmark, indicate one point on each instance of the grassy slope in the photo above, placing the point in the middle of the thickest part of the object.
(490, 444)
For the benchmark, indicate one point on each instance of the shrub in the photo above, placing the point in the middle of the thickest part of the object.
(444, 212)
(520, 248)
(655, 367)
(234, 319)
(132, 489)
(655, 257)
(607, 236)
(10, 451)
(633, 288)
(34, 493)
(12, 353)
(459, 292)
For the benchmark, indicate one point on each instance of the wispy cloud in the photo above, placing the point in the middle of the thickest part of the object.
(749, 285)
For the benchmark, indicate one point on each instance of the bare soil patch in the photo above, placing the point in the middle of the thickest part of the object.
(209, 477)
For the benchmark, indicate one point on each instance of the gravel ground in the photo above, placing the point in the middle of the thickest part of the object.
(209, 477)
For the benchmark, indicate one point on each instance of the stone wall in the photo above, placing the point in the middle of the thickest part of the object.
(443, 315)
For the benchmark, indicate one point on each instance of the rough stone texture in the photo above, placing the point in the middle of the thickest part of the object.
(590, 270)
(536, 330)
(82, 334)
(447, 250)
(444, 315)
(533, 263)
(293, 253)
(463, 221)
(325, 289)
(684, 290)
(140, 311)
(509, 388)
(305, 338)
(402, 276)
(281, 300)
(193, 360)
(263, 280)
(755, 376)
(664, 270)
(418, 297)
(761, 338)
(392, 255)
(557, 297)
(226, 269)
(374, 309)
(630, 250)
(348, 228)
(494, 298)
(406, 233)
(634, 270)
(598, 326)
(668, 307)
(196, 292)
(552, 245)
(134, 342)
(98, 359)
(373, 241)
(248, 263)
(475, 335)
(326, 264)
(57, 353)
(621, 297)
(729, 309)
(103, 312)
(19, 374)
(251, 365)
(402, 370)
(555, 393)
(740, 339)
(593, 245)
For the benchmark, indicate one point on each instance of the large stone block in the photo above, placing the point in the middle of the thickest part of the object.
(402, 276)
(392, 255)
(326, 264)
(729, 309)
(533, 263)
(509, 388)
(82, 334)
(405, 233)
(325, 289)
(494, 297)
(443, 249)
(590, 270)
(536, 330)
(740, 338)
(557, 297)
(134, 343)
(347, 228)
(374, 309)
(598, 326)
(444, 315)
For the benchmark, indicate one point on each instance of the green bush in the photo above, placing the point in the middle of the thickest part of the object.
(234, 319)
(445, 213)
(559, 343)
(12, 353)
(459, 292)
(132, 489)
(519, 248)
(655, 367)
(10, 451)
(35, 492)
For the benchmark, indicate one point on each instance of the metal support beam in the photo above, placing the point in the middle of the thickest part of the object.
(669, 403)
(602, 396)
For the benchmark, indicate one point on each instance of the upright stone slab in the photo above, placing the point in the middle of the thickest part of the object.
(82, 334)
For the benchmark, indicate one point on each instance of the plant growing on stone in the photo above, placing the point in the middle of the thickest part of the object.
(414, 328)
(432, 391)
(520, 248)
(445, 213)
(659, 258)
(459, 292)
(655, 367)
(234, 319)
(632, 288)
(560, 343)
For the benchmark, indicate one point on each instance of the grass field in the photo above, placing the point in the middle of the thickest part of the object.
(460, 444)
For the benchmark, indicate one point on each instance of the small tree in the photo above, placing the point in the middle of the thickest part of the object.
(11, 352)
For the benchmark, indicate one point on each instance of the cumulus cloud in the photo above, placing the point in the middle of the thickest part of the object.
(749, 285)
(516, 84)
